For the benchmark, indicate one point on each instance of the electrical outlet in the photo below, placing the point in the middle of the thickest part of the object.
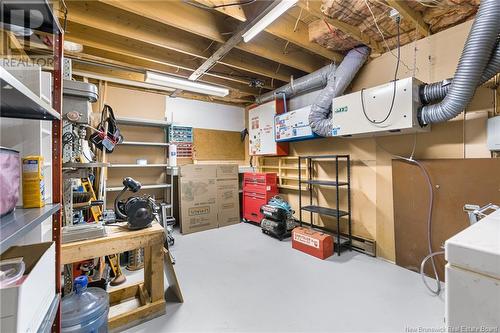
(394, 14)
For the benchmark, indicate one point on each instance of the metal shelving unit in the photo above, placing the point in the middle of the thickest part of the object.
(169, 177)
(340, 241)
(46, 325)
(22, 221)
(18, 101)
(142, 122)
(138, 143)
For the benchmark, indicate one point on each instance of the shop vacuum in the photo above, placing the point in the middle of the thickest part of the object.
(278, 221)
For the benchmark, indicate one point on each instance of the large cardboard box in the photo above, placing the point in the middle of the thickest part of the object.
(198, 204)
(24, 304)
(209, 196)
(227, 171)
(198, 171)
(228, 202)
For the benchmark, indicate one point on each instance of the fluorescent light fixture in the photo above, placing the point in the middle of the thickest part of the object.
(269, 18)
(179, 83)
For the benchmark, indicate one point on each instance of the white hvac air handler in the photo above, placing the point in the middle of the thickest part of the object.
(368, 112)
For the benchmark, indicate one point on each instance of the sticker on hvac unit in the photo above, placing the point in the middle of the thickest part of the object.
(336, 131)
(293, 125)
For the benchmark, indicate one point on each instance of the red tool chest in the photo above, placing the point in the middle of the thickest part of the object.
(312, 242)
(258, 189)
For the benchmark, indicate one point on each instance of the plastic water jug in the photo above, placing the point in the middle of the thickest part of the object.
(85, 309)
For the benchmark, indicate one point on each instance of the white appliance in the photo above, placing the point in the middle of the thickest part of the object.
(472, 296)
(350, 120)
(493, 133)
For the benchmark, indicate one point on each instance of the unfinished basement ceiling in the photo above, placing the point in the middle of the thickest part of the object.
(123, 39)
(436, 15)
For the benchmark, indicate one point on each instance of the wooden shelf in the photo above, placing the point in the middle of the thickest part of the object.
(138, 143)
(20, 102)
(284, 169)
(142, 122)
(143, 187)
(17, 224)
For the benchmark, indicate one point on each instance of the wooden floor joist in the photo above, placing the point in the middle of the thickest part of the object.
(203, 23)
(128, 25)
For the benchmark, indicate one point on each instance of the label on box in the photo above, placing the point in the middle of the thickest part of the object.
(309, 241)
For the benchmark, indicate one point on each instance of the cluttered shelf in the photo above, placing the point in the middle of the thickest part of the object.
(17, 224)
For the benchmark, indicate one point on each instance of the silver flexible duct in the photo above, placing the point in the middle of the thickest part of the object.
(477, 51)
(320, 118)
(435, 92)
(312, 81)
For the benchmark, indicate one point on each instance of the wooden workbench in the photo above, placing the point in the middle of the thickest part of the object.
(150, 292)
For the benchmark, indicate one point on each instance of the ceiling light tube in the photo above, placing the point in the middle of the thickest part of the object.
(269, 18)
(184, 84)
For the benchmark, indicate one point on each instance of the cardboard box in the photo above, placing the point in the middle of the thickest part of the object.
(209, 196)
(25, 303)
(227, 171)
(228, 202)
(198, 171)
(315, 243)
(198, 204)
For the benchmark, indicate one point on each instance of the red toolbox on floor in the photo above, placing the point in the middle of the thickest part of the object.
(312, 242)
(258, 189)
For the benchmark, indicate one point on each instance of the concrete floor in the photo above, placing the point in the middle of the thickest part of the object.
(235, 279)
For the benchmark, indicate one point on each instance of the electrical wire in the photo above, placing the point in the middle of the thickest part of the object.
(382, 34)
(243, 3)
(430, 187)
(377, 122)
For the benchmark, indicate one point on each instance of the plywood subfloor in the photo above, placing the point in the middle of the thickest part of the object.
(235, 279)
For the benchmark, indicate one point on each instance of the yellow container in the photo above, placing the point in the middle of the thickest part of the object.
(33, 182)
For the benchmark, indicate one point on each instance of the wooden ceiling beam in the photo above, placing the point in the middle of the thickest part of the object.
(291, 29)
(105, 41)
(91, 14)
(233, 11)
(116, 60)
(313, 7)
(203, 23)
(228, 45)
(96, 56)
(411, 15)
